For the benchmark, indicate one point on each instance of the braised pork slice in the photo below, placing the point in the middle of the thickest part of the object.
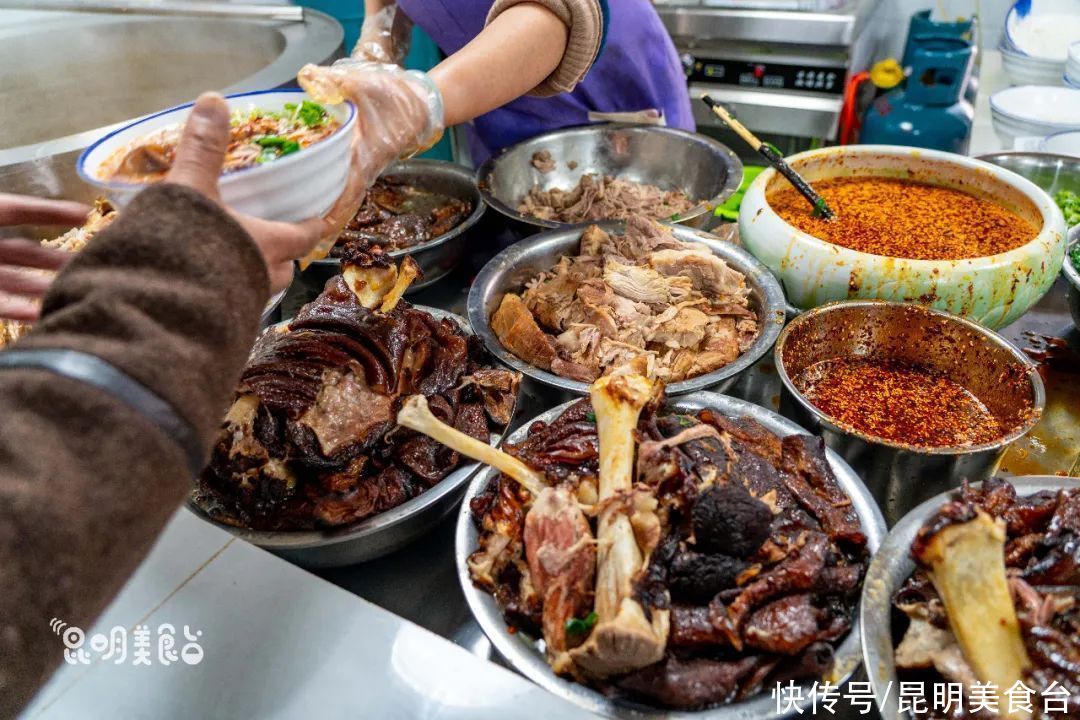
(518, 331)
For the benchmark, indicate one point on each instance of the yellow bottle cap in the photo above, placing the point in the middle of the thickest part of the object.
(887, 74)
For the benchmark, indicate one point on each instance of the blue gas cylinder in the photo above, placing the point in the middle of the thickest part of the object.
(928, 110)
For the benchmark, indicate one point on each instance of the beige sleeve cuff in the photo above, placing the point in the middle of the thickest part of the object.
(586, 23)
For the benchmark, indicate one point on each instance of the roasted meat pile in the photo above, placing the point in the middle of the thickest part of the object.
(642, 294)
(602, 198)
(311, 439)
(397, 215)
(996, 600)
(73, 240)
(744, 555)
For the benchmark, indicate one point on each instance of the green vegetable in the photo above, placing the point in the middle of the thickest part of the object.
(275, 146)
(581, 626)
(1069, 202)
(310, 113)
(590, 416)
(675, 217)
(1074, 255)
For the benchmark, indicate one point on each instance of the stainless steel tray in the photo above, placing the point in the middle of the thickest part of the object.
(375, 536)
(509, 270)
(891, 566)
(520, 651)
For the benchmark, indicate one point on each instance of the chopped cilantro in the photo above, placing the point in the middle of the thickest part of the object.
(675, 217)
(1069, 202)
(581, 626)
(590, 416)
(310, 113)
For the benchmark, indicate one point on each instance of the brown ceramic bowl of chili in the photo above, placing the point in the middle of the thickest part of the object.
(915, 399)
(912, 225)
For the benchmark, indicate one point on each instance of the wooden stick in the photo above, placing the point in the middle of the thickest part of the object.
(820, 207)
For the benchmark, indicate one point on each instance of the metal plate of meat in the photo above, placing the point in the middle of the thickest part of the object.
(440, 255)
(377, 535)
(521, 653)
(513, 267)
(706, 170)
(891, 566)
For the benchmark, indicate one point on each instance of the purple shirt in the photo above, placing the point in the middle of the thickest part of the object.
(637, 69)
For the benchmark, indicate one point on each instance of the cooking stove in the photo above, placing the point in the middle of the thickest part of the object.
(781, 65)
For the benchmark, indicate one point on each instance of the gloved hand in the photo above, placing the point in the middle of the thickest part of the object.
(399, 113)
(385, 36)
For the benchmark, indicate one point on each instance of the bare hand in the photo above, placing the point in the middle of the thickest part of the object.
(198, 166)
(21, 287)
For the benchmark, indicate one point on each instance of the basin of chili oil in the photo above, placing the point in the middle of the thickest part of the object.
(899, 402)
(905, 219)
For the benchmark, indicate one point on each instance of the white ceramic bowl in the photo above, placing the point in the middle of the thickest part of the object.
(1045, 29)
(1062, 143)
(1072, 65)
(1034, 111)
(1024, 69)
(993, 290)
(297, 186)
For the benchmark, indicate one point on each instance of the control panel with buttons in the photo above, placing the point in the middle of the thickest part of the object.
(776, 76)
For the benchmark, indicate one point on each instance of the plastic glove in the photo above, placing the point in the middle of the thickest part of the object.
(399, 113)
(385, 36)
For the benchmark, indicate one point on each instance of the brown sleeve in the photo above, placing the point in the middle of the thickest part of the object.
(171, 295)
(585, 20)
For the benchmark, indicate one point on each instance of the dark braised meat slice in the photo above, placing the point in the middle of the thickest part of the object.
(789, 625)
(689, 684)
(1056, 558)
(798, 572)
(753, 435)
(398, 215)
(729, 520)
(567, 446)
(691, 629)
(811, 481)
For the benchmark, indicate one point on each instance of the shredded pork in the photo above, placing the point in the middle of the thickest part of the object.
(641, 295)
(601, 198)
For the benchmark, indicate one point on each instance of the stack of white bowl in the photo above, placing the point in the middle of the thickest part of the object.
(1062, 143)
(1034, 111)
(1024, 69)
(1037, 33)
(1072, 66)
